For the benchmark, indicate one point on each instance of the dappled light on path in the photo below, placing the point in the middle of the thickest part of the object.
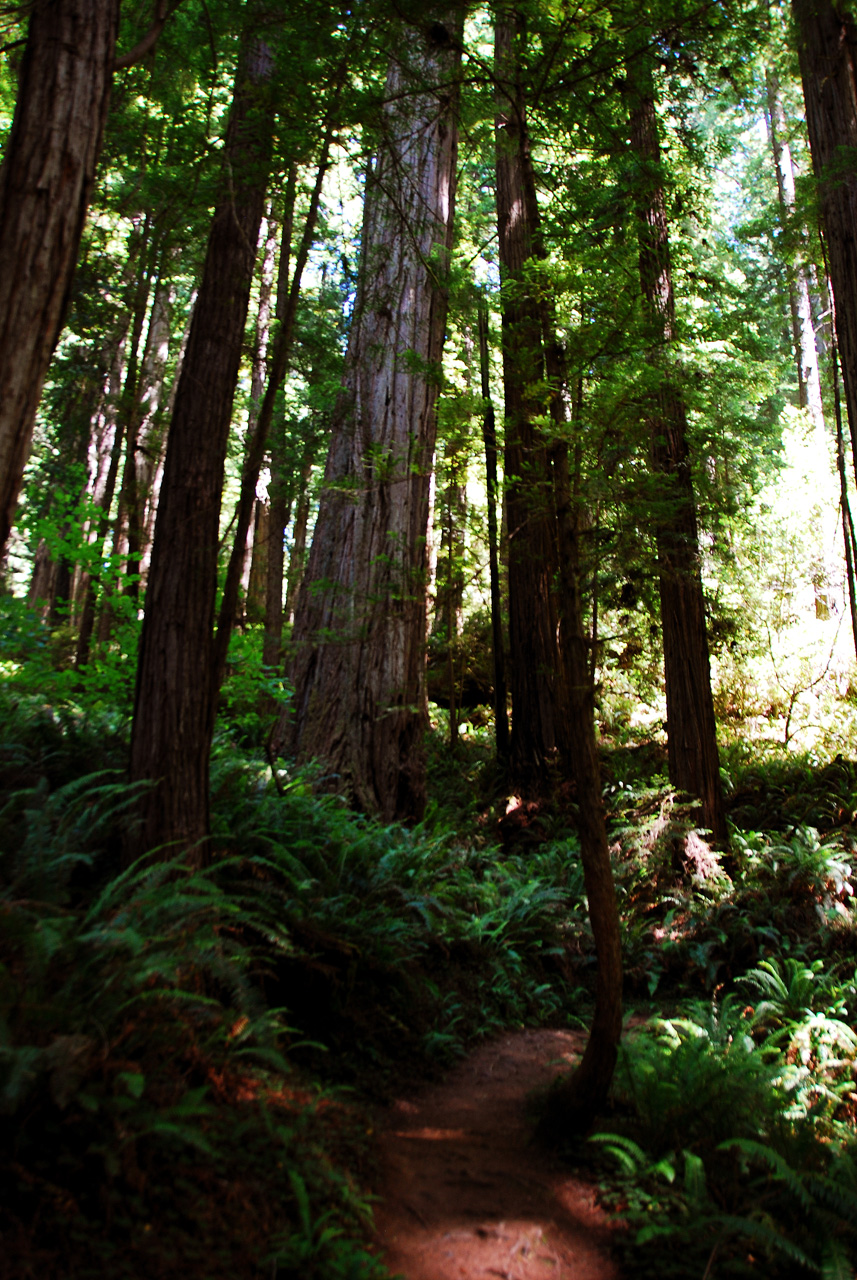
(466, 1192)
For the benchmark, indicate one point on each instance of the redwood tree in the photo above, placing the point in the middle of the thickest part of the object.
(694, 763)
(173, 711)
(359, 634)
(539, 710)
(827, 49)
(552, 567)
(45, 184)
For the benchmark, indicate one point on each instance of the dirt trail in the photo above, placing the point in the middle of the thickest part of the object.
(465, 1195)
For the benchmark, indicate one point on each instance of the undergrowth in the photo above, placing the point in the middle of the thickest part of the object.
(173, 1045)
(170, 1042)
(730, 1147)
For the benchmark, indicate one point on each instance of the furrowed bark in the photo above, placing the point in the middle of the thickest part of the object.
(827, 50)
(359, 634)
(173, 712)
(45, 184)
(694, 763)
(539, 708)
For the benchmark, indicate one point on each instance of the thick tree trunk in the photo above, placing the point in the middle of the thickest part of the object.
(694, 762)
(173, 713)
(359, 635)
(45, 183)
(827, 48)
(539, 708)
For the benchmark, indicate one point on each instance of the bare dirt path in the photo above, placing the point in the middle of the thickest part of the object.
(466, 1196)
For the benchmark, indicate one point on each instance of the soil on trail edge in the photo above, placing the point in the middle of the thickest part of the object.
(465, 1194)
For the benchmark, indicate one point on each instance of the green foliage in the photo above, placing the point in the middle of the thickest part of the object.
(37, 671)
(700, 1097)
(447, 942)
(140, 1062)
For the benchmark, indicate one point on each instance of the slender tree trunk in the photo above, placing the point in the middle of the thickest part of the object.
(255, 607)
(127, 419)
(694, 763)
(844, 504)
(152, 411)
(827, 49)
(45, 184)
(297, 558)
(539, 710)
(359, 637)
(252, 556)
(130, 411)
(489, 439)
(577, 1097)
(281, 485)
(257, 441)
(173, 712)
(105, 501)
(156, 454)
(278, 517)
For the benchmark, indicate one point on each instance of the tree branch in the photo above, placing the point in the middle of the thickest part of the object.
(163, 12)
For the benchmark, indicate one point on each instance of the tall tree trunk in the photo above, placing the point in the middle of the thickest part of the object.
(489, 440)
(809, 381)
(281, 485)
(173, 712)
(130, 412)
(152, 411)
(359, 637)
(827, 49)
(287, 311)
(258, 367)
(539, 710)
(45, 184)
(844, 504)
(297, 557)
(576, 1097)
(694, 762)
(157, 450)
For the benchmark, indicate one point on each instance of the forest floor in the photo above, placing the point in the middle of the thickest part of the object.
(466, 1193)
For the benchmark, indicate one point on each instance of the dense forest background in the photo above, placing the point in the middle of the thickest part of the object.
(427, 449)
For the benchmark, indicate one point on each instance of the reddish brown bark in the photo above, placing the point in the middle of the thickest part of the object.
(827, 49)
(489, 440)
(173, 713)
(694, 763)
(359, 635)
(45, 184)
(539, 710)
(576, 1097)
